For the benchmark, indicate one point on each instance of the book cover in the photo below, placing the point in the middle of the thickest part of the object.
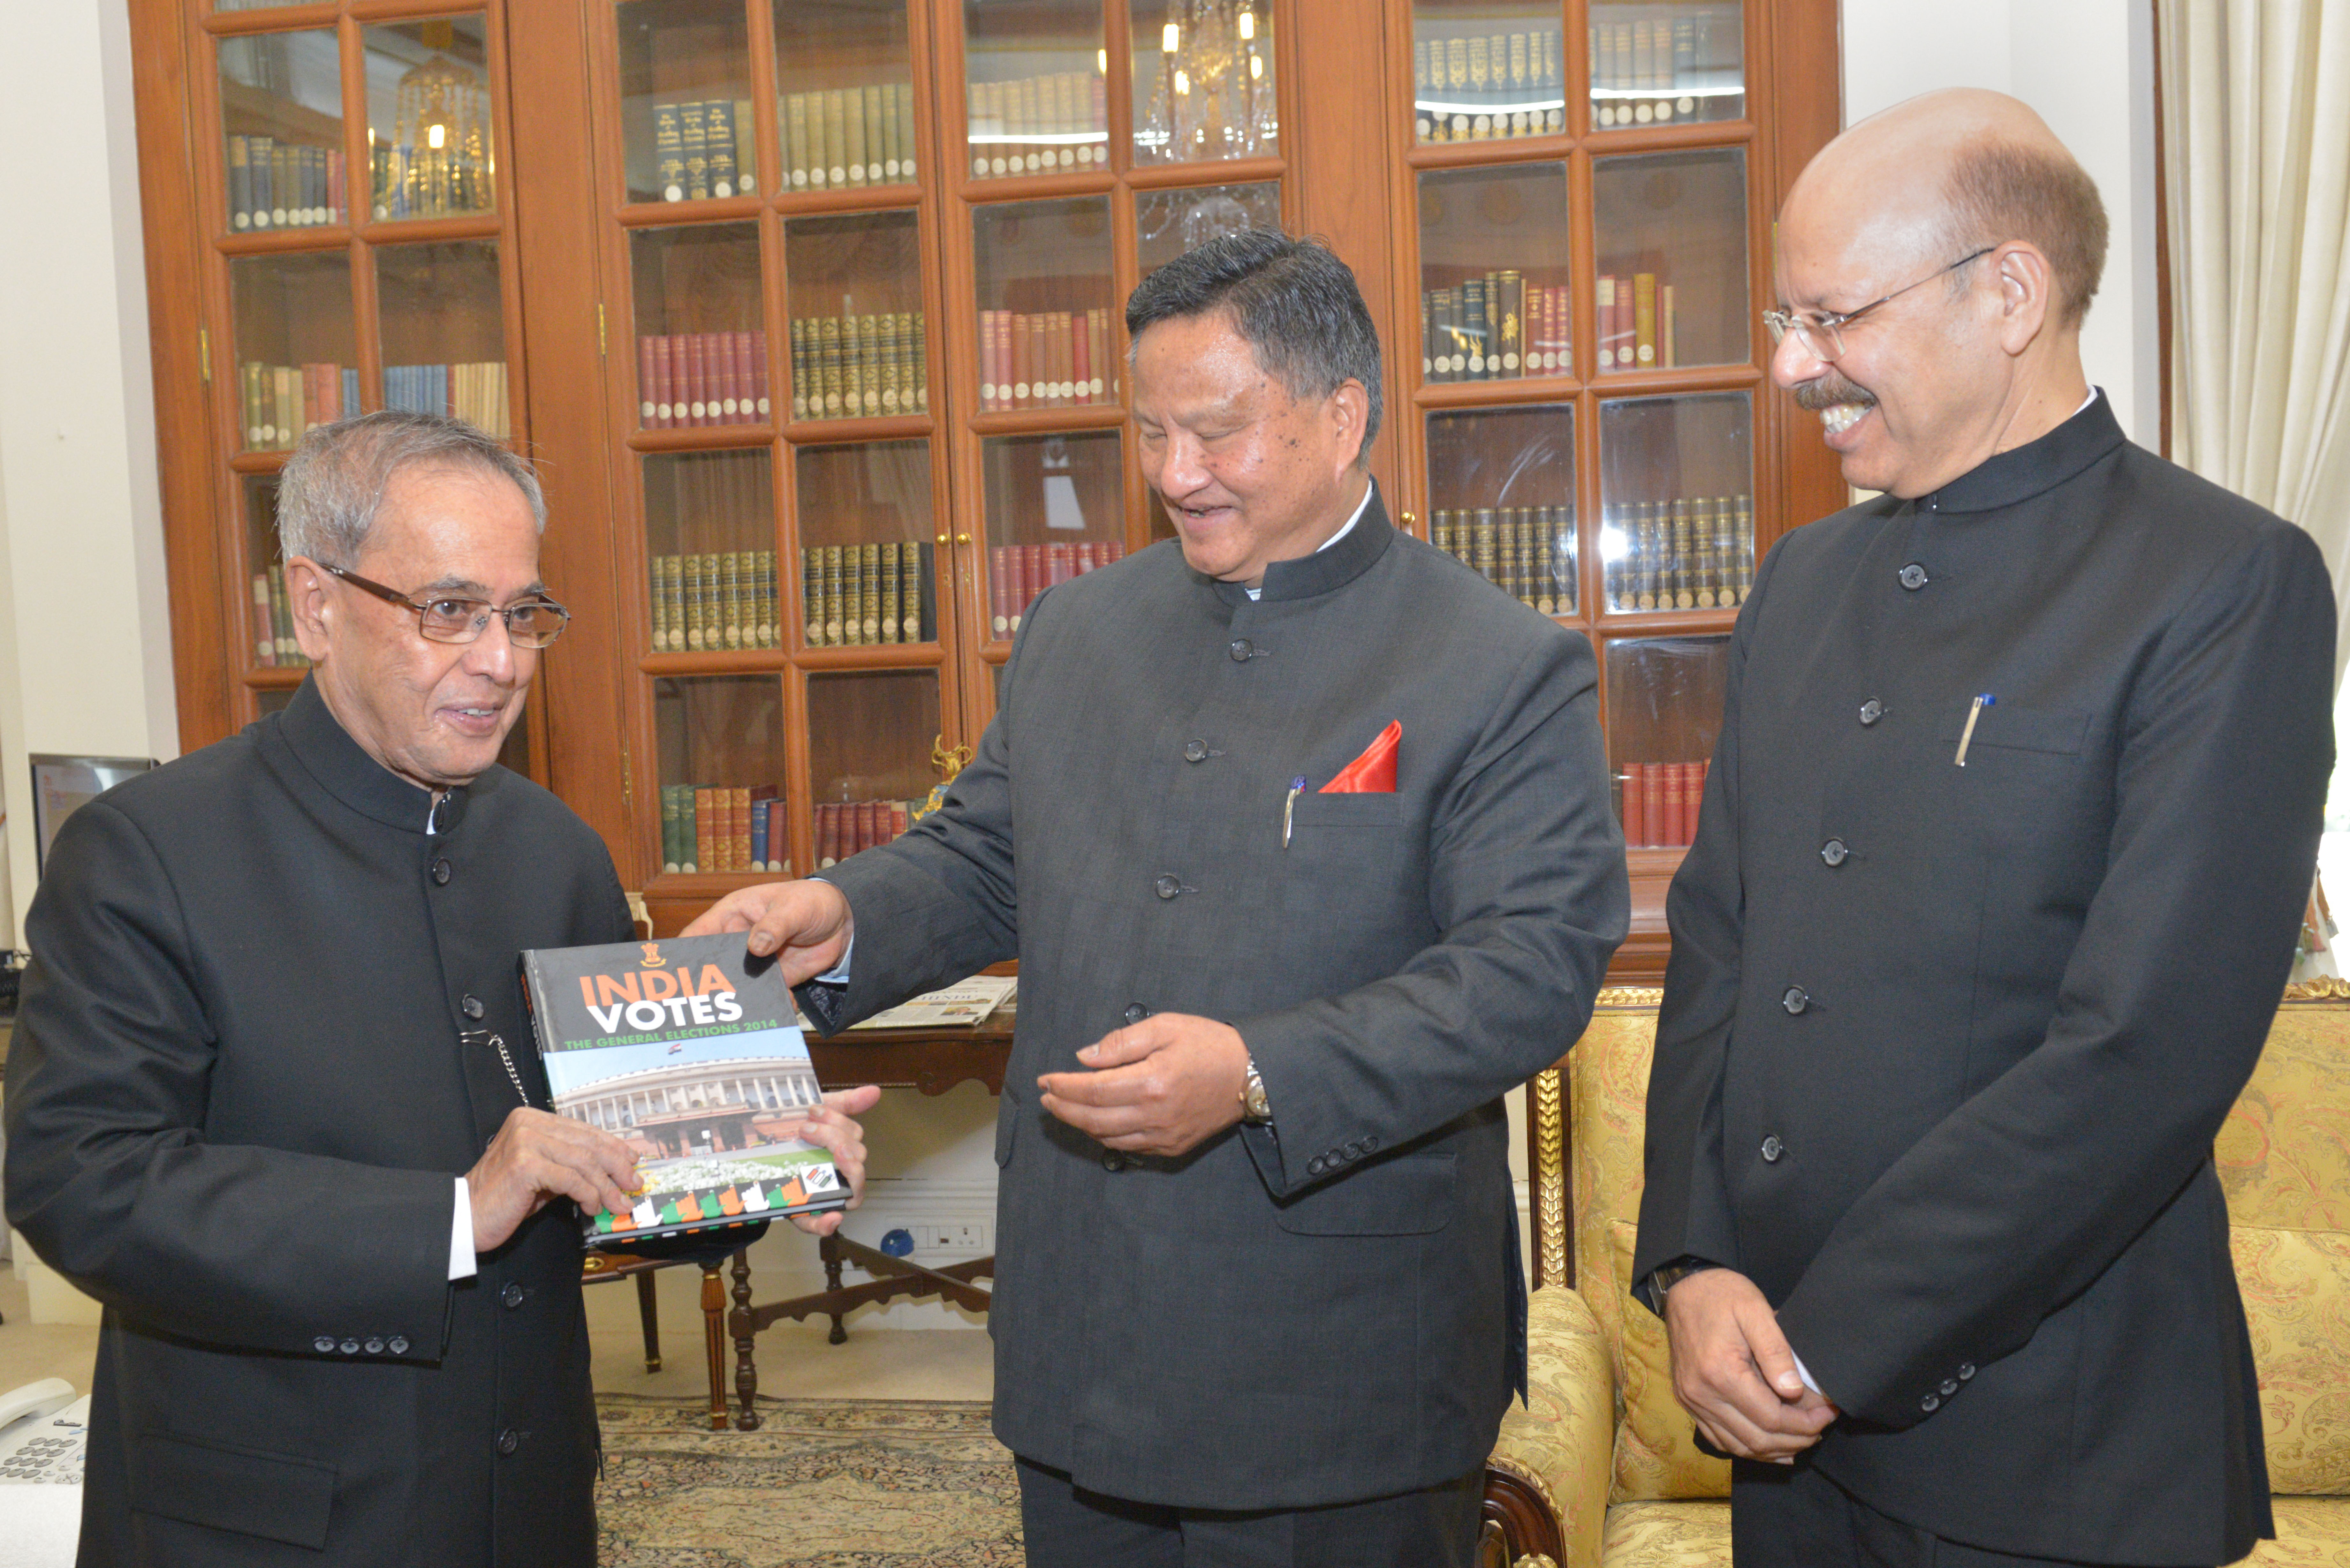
(904, 94)
(923, 621)
(854, 127)
(668, 152)
(795, 138)
(690, 1051)
(1636, 817)
(718, 144)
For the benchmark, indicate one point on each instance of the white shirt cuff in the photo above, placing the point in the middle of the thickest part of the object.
(1804, 1372)
(838, 973)
(461, 1263)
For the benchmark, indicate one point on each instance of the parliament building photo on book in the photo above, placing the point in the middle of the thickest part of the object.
(689, 1050)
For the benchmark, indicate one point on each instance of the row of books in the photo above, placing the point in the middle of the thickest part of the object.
(860, 367)
(281, 402)
(1527, 552)
(719, 827)
(686, 379)
(1495, 328)
(1016, 573)
(847, 827)
(1679, 555)
(1663, 53)
(475, 393)
(1486, 86)
(704, 148)
(1661, 801)
(856, 596)
(709, 603)
(274, 184)
(273, 625)
(1039, 124)
(848, 136)
(1042, 359)
(1637, 318)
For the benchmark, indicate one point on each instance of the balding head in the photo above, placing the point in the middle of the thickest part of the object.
(1952, 171)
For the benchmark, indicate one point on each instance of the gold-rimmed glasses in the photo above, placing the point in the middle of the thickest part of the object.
(1822, 336)
(531, 622)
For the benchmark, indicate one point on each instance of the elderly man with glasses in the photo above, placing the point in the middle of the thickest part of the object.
(273, 1098)
(1995, 889)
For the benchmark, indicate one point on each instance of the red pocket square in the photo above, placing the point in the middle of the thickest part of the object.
(1373, 772)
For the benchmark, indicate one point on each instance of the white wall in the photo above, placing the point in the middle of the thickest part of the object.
(85, 629)
(2087, 67)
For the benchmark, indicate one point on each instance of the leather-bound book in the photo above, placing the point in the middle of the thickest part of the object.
(1511, 319)
(869, 565)
(718, 145)
(1643, 321)
(892, 620)
(1636, 813)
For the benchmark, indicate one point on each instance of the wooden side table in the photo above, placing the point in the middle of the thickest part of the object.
(932, 1061)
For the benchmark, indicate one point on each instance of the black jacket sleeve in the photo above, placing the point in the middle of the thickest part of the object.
(110, 1175)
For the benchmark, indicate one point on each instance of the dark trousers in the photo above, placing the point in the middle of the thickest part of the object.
(1066, 1527)
(1790, 1516)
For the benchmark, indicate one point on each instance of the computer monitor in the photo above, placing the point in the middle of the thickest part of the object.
(61, 785)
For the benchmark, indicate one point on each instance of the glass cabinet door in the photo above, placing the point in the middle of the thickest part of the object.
(281, 97)
(685, 100)
(1664, 713)
(442, 326)
(1054, 512)
(860, 341)
(710, 538)
(430, 145)
(1048, 302)
(701, 342)
(867, 567)
(1483, 71)
(1673, 290)
(1677, 481)
(1501, 491)
(298, 359)
(723, 760)
(1034, 87)
(871, 738)
(1664, 62)
(1203, 85)
(1494, 298)
(844, 94)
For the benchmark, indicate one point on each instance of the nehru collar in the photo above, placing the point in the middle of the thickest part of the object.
(1326, 570)
(2034, 467)
(325, 749)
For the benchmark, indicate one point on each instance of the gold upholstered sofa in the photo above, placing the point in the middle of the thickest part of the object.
(1599, 1468)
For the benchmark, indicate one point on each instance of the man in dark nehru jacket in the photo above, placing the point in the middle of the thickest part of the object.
(272, 1097)
(1992, 897)
(1300, 832)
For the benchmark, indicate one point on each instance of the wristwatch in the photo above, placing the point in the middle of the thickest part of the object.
(1665, 1276)
(1255, 1109)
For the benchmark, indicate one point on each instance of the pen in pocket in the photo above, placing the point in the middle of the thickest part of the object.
(1966, 736)
(1289, 807)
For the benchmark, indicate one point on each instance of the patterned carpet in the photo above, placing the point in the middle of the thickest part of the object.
(882, 1483)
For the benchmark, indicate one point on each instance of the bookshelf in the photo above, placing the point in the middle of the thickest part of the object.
(812, 311)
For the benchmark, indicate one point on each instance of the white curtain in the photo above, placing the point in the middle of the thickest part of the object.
(2256, 157)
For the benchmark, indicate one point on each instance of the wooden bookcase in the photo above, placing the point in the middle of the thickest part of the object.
(1059, 149)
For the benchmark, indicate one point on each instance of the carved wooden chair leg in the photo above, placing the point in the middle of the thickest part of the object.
(829, 1248)
(650, 1315)
(747, 1372)
(713, 1309)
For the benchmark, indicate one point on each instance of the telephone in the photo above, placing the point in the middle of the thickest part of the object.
(44, 1433)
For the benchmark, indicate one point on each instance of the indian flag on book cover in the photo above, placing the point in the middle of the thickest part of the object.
(690, 1051)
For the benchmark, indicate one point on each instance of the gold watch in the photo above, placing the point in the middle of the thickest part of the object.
(1255, 1109)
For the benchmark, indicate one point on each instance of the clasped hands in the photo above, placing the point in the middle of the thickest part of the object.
(1735, 1371)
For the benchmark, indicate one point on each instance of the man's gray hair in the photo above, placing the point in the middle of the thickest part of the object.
(333, 485)
(1292, 301)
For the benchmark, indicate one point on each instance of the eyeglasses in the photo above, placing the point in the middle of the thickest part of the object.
(1822, 336)
(530, 623)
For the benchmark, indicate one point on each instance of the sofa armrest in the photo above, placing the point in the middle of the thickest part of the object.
(1560, 1446)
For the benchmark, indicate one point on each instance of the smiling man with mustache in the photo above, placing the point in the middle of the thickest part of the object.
(1993, 892)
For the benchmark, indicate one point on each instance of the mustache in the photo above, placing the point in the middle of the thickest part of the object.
(1829, 390)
